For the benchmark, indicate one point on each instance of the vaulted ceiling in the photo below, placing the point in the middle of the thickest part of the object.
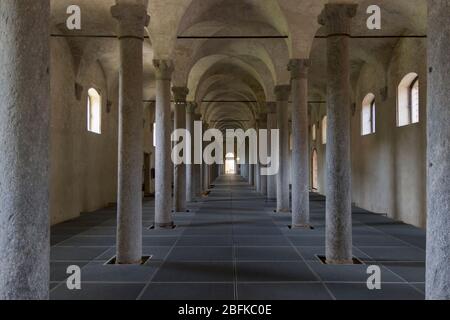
(232, 53)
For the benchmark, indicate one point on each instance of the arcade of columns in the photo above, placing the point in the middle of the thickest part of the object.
(24, 133)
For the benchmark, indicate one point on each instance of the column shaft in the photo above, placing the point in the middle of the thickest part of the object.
(251, 174)
(24, 156)
(337, 18)
(180, 181)
(163, 215)
(132, 20)
(262, 178)
(300, 152)
(190, 168)
(197, 172)
(257, 177)
(271, 124)
(283, 191)
(438, 177)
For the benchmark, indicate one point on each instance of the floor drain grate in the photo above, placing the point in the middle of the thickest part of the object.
(323, 260)
(305, 227)
(113, 260)
(166, 228)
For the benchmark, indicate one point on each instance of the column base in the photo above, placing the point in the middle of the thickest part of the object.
(169, 225)
(339, 262)
(302, 226)
(181, 211)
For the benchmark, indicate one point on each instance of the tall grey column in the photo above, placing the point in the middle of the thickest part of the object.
(248, 166)
(132, 20)
(164, 167)
(282, 94)
(197, 173)
(179, 199)
(257, 177)
(271, 125)
(205, 167)
(337, 20)
(251, 175)
(262, 178)
(24, 156)
(300, 152)
(438, 184)
(190, 168)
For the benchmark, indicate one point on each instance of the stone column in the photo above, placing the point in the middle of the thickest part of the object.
(282, 94)
(24, 156)
(438, 184)
(197, 172)
(251, 174)
(179, 175)
(163, 212)
(337, 20)
(271, 124)
(132, 19)
(257, 177)
(262, 178)
(300, 149)
(204, 166)
(190, 178)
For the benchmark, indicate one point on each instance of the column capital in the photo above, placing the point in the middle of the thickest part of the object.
(299, 68)
(336, 17)
(132, 20)
(191, 107)
(282, 92)
(271, 107)
(180, 94)
(163, 69)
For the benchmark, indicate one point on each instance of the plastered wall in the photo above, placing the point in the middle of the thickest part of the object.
(83, 164)
(388, 167)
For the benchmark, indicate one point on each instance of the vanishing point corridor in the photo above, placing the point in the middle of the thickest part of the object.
(231, 245)
(225, 150)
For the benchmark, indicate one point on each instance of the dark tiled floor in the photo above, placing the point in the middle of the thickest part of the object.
(233, 246)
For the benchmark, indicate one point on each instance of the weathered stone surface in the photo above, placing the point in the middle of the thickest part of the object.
(190, 168)
(24, 156)
(283, 202)
(180, 94)
(438, 184)
(337, 20)
(300, 145)
(271, 124)
(163, 214)
(131, 22)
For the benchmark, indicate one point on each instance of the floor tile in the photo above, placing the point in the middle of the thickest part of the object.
(189, 291)
(75, 253)
(174, 271)
(359, 291)
(99, 272)
(274, 271)
(267, 254)
(394, 253)
(98, 291)
(201, 254)
(282, 291)
(349, 273)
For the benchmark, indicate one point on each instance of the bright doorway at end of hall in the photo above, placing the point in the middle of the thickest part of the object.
(230, 164)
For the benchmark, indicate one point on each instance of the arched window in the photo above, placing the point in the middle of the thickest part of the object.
(368, 115)
(324, 130)
(314, 132)
(408, 100)
(94, 111)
